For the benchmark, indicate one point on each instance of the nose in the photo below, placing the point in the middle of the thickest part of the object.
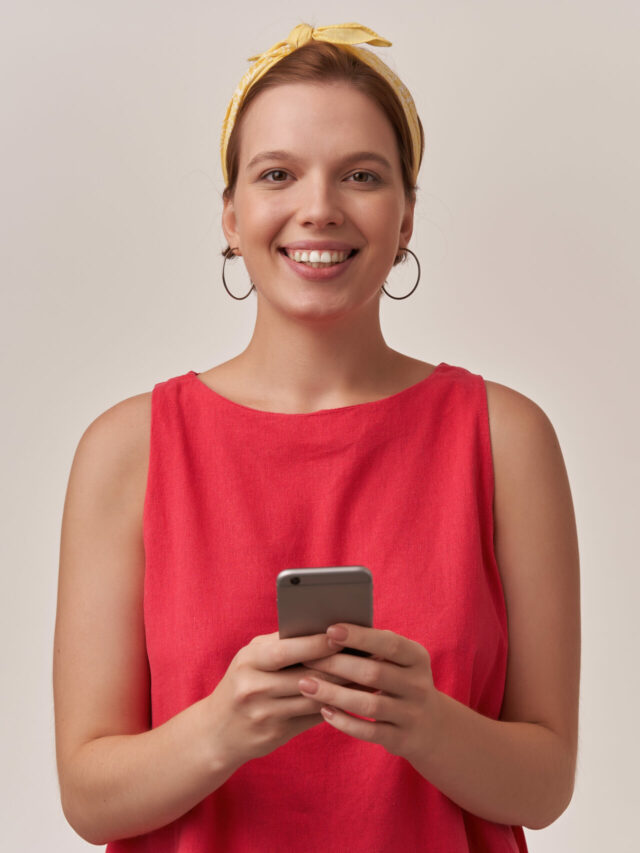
(319, 202)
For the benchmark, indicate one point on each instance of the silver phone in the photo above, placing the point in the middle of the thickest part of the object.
(311, 599)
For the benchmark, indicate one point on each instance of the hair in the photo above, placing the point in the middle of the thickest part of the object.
(323, 62)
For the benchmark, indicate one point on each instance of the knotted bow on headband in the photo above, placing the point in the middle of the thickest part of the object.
(346, 35)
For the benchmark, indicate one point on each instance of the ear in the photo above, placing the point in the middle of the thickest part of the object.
(230, 225)
(406, 226)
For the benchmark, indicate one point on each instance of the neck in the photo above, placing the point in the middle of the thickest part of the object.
(293, 364)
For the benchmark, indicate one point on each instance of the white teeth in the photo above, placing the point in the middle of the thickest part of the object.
(316, 257)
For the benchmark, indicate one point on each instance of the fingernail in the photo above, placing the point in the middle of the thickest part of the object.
(308, 685)
(338, 632)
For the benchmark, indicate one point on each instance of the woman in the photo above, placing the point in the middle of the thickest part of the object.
(183, 721)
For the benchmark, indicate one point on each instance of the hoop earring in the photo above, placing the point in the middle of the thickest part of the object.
(225, 283)
(414, 286)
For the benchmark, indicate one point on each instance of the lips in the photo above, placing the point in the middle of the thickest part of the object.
(318, 274)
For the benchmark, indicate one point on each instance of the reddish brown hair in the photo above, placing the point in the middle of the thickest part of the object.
(322, 62)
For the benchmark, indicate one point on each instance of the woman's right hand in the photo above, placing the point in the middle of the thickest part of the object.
(257, 705)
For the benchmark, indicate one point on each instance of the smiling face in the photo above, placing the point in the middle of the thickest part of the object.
(317, 185)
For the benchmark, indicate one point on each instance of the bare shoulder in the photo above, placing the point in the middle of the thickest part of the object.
(536, 548)
(126, 422)
(506, 405)
(524, 442)
(529, 466)
(115, 446)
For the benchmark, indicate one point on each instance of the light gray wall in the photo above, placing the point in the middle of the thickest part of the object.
(527, 228)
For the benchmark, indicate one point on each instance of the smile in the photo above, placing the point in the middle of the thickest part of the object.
(317, 259)
(318, 266)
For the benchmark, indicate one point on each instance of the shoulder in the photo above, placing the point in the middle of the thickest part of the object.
(511, 413)
(122, 430)
(113, 452)
(527, 458)
(524, 442)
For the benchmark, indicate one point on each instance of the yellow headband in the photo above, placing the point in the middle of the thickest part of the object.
(346, 35)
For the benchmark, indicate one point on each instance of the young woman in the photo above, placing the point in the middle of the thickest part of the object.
(183, 721)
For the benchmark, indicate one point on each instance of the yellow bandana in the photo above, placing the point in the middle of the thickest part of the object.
(346, 35)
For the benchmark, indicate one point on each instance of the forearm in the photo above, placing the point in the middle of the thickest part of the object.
(507, 772)
(126, 785)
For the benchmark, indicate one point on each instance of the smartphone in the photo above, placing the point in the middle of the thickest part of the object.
(311, 599)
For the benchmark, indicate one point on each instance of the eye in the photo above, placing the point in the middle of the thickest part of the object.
(274, 172)
(368, 174)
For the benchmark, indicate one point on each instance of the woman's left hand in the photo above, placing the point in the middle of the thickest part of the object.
(403, 709)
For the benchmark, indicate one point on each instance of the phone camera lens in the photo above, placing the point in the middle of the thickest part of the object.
(295, 580)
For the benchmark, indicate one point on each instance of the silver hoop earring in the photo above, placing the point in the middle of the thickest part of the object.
(414, 286)
(225, 283)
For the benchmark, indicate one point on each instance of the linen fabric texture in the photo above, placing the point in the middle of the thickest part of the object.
(402, 485)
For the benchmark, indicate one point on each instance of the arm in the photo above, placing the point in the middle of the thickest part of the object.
(521, 768)
(119, 786)
(507, 772)
(117, 777)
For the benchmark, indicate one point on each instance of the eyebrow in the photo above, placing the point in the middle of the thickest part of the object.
(349, 158)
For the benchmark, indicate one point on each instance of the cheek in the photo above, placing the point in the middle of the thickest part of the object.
(381, 219)
(257, 216)
(384, 239)
(265, 222)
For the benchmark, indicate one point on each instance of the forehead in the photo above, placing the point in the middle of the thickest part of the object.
(316, 118)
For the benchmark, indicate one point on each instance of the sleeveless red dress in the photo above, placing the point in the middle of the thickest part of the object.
(403, 486)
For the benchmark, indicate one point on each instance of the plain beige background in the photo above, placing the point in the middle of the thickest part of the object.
(527, 230)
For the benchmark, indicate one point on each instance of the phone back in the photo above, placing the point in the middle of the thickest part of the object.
(311, 599)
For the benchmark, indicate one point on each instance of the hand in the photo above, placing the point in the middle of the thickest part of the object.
(402, 712)
(256, 706)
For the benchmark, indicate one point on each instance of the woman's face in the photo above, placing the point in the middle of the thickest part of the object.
(305, 178)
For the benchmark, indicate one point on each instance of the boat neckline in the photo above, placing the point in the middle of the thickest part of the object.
(369, 405)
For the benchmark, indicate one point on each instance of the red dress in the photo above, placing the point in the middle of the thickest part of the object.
(403, 486)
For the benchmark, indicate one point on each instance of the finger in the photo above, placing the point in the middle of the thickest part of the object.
(369, 730)
(365, 672)
(289, 689)
(286, 682)
(269, 652)
(305, 669)
(299, 725)
(375, 706)
(300, 706)
(326, 676)
(389, 645)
